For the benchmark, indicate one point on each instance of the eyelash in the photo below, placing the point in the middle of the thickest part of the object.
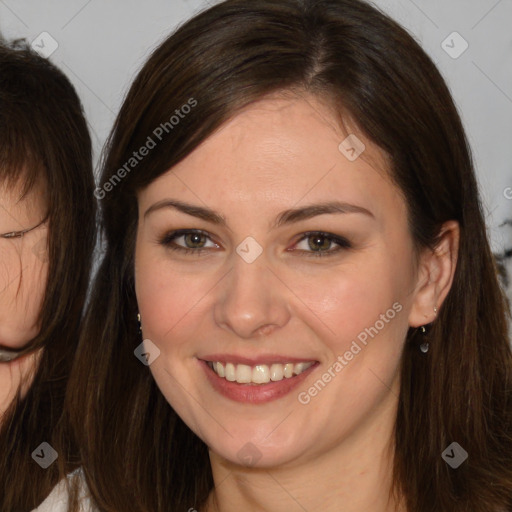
(343, 243)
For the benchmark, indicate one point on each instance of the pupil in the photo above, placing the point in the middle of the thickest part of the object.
(317, 240)
(195, 237)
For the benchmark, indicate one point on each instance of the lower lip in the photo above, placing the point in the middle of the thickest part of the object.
(254, 393)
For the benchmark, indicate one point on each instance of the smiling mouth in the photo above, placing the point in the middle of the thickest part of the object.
(258, 374)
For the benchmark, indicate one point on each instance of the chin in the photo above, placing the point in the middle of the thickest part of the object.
(247, 452)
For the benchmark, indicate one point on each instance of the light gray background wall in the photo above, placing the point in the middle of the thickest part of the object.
(101, 45)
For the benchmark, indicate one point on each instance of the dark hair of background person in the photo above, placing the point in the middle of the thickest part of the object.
(43, 134)
(137, 453)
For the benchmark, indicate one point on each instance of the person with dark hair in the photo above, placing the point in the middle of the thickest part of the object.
(47, 236)
(298, 307)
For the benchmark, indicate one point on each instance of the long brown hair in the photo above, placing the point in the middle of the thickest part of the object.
(44, 136)
(136, 452)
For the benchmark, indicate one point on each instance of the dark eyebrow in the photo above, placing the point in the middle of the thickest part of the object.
(286, 217)
(312, 210)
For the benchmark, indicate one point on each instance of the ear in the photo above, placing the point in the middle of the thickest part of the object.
(435, 275)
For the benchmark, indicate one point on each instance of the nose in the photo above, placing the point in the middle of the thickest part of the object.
(252, 300)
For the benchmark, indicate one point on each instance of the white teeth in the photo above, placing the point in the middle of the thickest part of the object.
(219, 369)
(259, 374)
(300, 367)
(288, 370)
(243, 374)
(276, 372)
(230, 372)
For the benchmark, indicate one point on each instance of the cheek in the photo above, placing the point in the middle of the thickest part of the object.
(162, 306)
(352, 298)
(165, 298)
(23, 279)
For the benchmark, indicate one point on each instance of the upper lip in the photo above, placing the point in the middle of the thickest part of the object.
(255, 360)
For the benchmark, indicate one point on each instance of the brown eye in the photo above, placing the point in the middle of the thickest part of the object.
(193, 241)
(318, 243)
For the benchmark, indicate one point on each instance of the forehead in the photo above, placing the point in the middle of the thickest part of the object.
(278, 152)
(23, 180)
(17, 207)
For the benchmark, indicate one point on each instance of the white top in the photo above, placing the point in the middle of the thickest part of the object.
(57, 500)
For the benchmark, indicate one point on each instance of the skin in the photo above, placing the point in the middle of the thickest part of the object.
(281, 153)
(23, 275)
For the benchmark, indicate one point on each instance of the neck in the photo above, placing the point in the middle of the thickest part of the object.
(355, 475)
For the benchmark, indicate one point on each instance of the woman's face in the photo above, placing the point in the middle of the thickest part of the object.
(260, 300)
(23, 264)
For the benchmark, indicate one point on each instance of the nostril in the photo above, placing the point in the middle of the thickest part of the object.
(266, 330)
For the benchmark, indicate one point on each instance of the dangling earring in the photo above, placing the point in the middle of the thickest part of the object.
(425, 345)
(139, 323)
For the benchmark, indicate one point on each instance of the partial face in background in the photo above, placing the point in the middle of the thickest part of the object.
(23, 264)
(260, 297)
